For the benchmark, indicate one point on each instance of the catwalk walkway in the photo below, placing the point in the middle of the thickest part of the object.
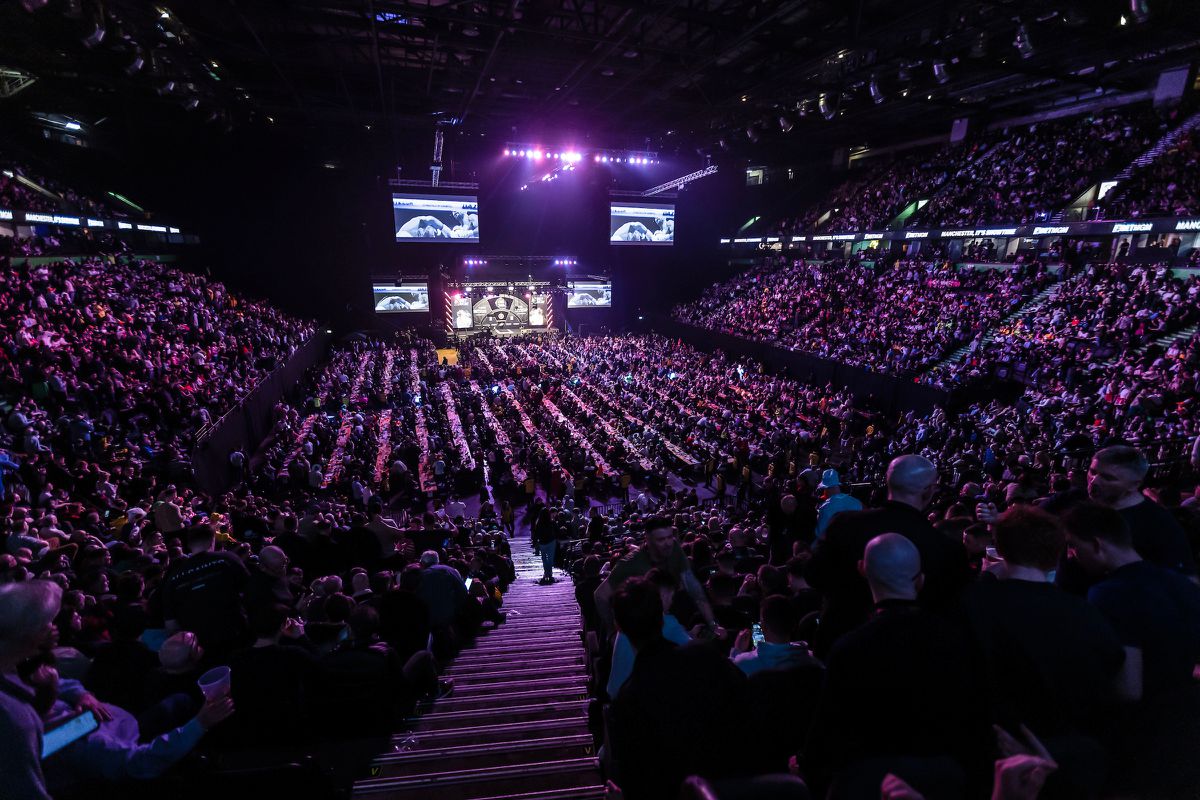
(516, 725)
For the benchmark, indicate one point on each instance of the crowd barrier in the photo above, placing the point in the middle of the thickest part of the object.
(247, 424)
(885, 392)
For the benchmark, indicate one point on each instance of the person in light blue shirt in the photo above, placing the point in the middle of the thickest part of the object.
(623, 652)
(776, 651)
(835, 501)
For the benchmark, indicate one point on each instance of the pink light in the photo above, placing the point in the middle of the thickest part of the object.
(506, 153)
(537, 154)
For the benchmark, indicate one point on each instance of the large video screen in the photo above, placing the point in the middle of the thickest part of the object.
(401, 298)
(589, 294)
(460, 307)
(436, 218)
(645, 223)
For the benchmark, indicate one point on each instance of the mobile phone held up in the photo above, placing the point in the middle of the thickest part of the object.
(756, 635)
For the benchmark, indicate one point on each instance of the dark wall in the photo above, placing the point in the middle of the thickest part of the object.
(870, 389)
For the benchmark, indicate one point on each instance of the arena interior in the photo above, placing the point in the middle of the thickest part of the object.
(599, 399)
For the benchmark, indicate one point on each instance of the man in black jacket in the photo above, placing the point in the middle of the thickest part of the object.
(901, 691)
(203, 593)
(911, 484)
(683, 710)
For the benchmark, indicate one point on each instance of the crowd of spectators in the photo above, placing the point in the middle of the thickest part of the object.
(897, 318)
(26, 189)
(110, 369)
(63, 241)
(1166, 187)
(1098, 312)
(871, 200)
(1023, 176)
(966, 633)
(330, 579)
(1015, 175)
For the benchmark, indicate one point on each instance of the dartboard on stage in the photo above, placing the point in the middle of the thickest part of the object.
(501, 311)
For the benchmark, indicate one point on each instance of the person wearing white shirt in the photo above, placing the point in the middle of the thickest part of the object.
(455, 509)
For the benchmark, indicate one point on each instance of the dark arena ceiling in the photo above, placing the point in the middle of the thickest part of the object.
(699, 70)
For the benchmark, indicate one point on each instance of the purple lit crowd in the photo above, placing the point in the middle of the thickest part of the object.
(785, 591)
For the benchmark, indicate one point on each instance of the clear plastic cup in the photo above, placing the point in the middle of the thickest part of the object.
(215, 682)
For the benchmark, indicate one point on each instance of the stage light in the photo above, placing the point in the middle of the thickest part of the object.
(507, 153)
(939, 71)
(135, 66)
(826, 108)
(537, 154)
(876, 92)
(95, 36)
(596, 159)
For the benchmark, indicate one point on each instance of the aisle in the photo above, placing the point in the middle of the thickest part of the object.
(516, 725)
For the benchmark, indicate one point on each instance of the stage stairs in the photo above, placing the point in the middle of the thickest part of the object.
(516, 725)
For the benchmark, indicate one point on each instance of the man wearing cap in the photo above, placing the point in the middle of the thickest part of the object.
(835, 501)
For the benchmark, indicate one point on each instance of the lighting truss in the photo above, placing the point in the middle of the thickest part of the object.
(682, 181)
(13, 81)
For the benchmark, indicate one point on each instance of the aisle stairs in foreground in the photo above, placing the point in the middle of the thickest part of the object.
(515, 727)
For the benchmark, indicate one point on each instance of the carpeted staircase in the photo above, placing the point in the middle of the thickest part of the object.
(515, 727)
